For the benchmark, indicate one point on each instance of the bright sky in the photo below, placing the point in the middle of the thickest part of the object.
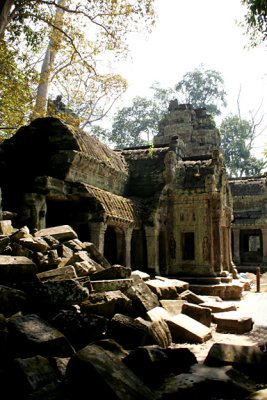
(188, 33)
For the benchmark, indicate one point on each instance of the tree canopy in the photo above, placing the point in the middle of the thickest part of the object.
(256, 20)
(83, 43)
(202, 88)
(237, 140)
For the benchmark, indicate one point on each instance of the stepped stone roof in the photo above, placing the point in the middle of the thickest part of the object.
(248, 186)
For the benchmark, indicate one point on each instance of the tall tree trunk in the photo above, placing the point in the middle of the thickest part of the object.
(40, 108)
(5, 7)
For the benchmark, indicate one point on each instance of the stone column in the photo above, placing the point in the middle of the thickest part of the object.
(128, 237)
(98, 230)
(236, 239)
(152, 239)
(264, 245)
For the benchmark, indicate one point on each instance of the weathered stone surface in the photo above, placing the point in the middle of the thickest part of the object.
(205, 383)
(57, 293)
(219, 306)
(158, 332)
(200, 314)
(140, 274)
(83, 264)
(232, 322)
(248, 359)
(153, 364)
(30, 375)
(172, 306)
(109, 377)
(162, 288)
(6, 227)
(158, 313)
(12, 300)
(34, 243)
(21, 251)
(113, 272)
(80, 328)
(225, 291)
(62, 273)
(61, 233)
(191, 297)
(184, 328)
(107, 304)
(180, 285)
(14, 269)
(142, 297)
(31, 335)
(111, 285)
(258, 395)
(127, 331)
(95, 254)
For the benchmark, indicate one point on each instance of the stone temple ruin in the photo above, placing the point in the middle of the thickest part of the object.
(83, 231)
(166, 209)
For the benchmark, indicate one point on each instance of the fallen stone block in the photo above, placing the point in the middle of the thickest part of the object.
(62, 273)
(30, 374)
(17, 269)
(232, 322)
(34, 243)
(12, 300)
(158, 313)
(6, 227)
(107, 304)
(163, 289)
(109, 377)
(219, 306)
(142, 297)
(95, 254)
(111, 285)
(80, 328)
(158, 333)
(184, 328)
(140, 274)
(191, 297)
(200, 314)
(113, 272)
(180, 286)
(127, 331)
(61, 233)
(30, 335)
(173, 306)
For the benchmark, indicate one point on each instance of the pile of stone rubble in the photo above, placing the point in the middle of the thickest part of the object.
(73, 326)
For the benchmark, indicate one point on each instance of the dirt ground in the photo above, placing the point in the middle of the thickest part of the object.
(252, 304)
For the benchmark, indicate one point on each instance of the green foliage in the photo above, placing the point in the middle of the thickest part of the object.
(16, 92)
(202, 88)
(256, 20)
(236, 141)
(131, 122)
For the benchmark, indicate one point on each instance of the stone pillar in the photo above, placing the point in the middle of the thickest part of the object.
(236, 238)
(98, 230)
(34, 209)
(264, 245)
(128, 237)
(217, 246)
(152, 239)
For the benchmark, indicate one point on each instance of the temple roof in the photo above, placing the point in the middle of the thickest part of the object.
(248, 186)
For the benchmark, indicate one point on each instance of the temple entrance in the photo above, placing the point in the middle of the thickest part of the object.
(138, 251)
(114, 245)
(251, 246)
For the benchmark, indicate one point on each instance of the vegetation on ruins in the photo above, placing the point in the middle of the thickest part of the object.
(69, 44)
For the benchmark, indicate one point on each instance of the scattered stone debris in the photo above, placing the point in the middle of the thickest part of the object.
(70, 322)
